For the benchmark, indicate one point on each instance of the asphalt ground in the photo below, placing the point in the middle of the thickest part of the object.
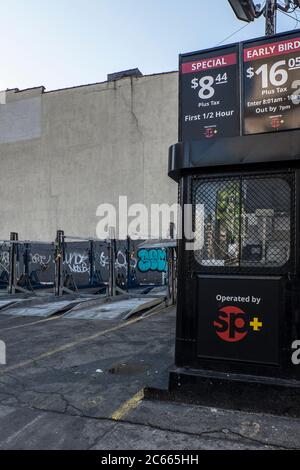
(78, 384)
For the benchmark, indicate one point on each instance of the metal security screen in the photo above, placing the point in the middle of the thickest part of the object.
(243, 223)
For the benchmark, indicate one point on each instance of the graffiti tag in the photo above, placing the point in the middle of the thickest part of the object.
(152, 260)
(77, 262)
(43, 260)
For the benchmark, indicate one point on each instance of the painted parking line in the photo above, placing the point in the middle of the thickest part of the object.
(73, 344)
(29, 324)
(128, 406)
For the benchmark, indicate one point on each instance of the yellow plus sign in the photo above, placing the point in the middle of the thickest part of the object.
(256, 324)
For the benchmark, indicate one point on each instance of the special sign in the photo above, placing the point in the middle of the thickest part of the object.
(209, 84)
(272, 85)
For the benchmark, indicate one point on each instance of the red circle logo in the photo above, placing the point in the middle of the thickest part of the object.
(231, 324)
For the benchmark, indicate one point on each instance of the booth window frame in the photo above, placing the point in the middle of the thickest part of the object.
(289, 177)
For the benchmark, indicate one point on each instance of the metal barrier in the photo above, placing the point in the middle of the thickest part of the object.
(73, 264)
(78, 263)
(16, 262)
(4, 264)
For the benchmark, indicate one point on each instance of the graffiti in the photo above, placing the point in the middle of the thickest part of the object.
(121, 261)
(145, 266)
(103, 260)
(43, 260)
(152, 260)
(77, 262)
(133, 262)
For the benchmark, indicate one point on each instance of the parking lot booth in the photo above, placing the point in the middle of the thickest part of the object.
(238, 289)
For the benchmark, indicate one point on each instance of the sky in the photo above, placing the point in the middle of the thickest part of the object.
(65, 43)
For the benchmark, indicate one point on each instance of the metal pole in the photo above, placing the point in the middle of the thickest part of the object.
(112, 263)
(59, 256)
(12, 263)
(271, 17)
(26, 260)
(128, 263)
(171, 269)
(92, 270)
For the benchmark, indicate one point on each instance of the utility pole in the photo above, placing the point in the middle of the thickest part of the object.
(271, 16)
(250, 10)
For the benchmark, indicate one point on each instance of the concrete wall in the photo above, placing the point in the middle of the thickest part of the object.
(64, 152)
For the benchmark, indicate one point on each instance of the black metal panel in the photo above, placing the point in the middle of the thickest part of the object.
(41, 265)
(209, 96)
(77, 262)
(232, 391)
(270, 84)
(188, 157)
(287, 313)
(239, 319)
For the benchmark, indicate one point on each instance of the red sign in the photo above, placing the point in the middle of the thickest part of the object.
(209, 63)
(271, 50)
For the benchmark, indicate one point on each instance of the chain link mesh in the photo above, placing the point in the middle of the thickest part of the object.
(243, 223)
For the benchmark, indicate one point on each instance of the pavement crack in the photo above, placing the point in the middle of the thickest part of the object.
(212, 432)
(67, 406)
(222, 433)
(99, 438)
(69, 409)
